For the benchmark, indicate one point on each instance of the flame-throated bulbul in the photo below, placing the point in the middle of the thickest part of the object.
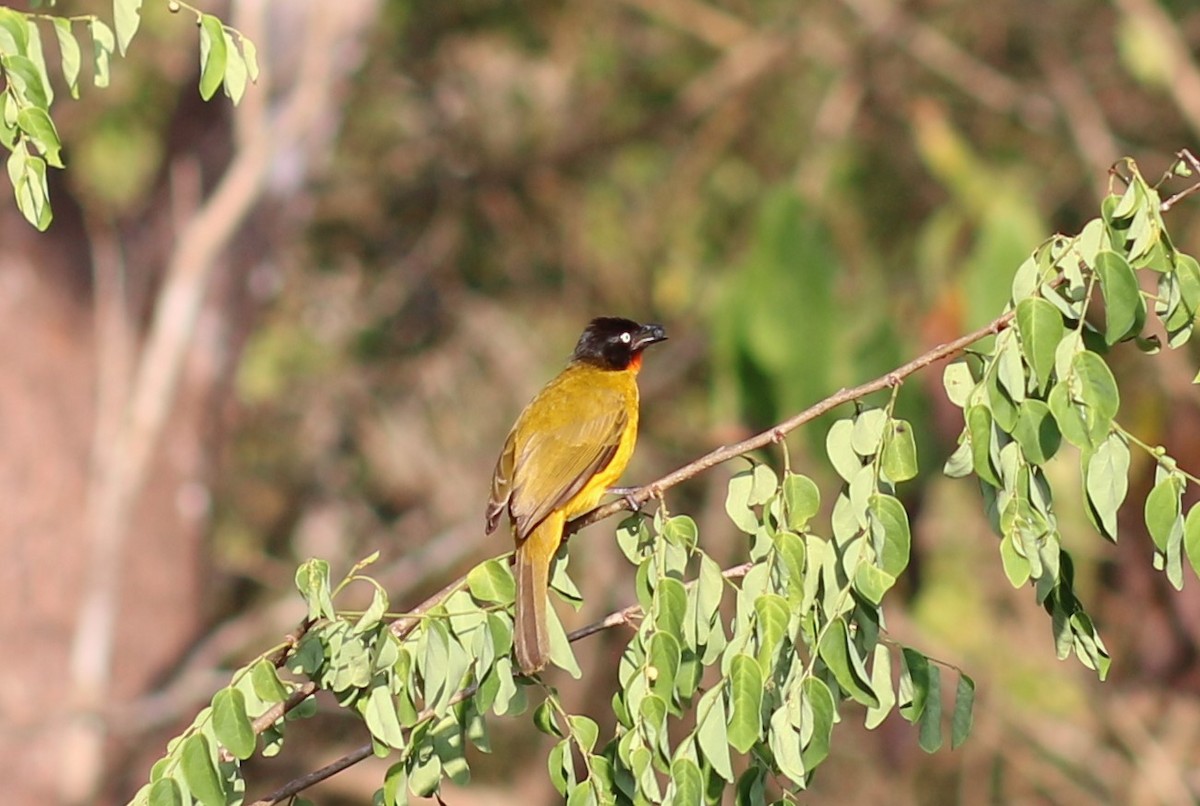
(570, 444)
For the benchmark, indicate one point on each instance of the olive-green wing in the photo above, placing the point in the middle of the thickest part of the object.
(501, 484)
(558, 458)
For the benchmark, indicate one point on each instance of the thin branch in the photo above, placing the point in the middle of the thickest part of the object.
(776, 434)
(316, 776)
(356, 755)
(1193, 165)
(624, 615)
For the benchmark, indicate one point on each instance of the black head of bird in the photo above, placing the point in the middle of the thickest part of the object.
(610, 342)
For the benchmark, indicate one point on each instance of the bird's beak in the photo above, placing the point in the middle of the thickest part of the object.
(647, 335)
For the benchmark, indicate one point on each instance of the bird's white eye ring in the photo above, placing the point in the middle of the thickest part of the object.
(626, 337)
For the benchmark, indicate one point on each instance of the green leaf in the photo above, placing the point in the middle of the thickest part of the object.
(425, 774)
(765, 484)
(312, 580)
(584, 730)
(165, 792)
(266, 683)
(881, 684)
(633, 538)
(801, 500)
(1041, 329)
(68, 47)
(841, 453)
(681, 531)
(1129, 202)
(1037, 431)
(1010, 375)
(33, 194)
(687, 783)
(710, 587)
(663, 656)
(670, 606)
(1191, 537)
(1097, 387)
(14, 34)
(930, 732)
(395, 785)
(374, 613)
(1125, 308)
(127, 15)
(899, 452)
(212, 55)
(889, 533)
(964, 706)
(545, 719)
(872, 582)
(653, 724)
(492, 581)
(867, 434)
(836, 650)
(1106, 482)
(961, 462)
(26, 78)
(1163, 509)
(772, 616)
(39, 60)
(561, 654)
(979, 425)
(820, 704)
(381, 717)
(200, 771)
(785, 744)
(958, 382)
(745, 695)
(235, 70)
(1076, 421)
(914, 684)
(250, 54)
(737, 501)
(231, 724)
(711, 734)
(103, 44)
(1187, 274)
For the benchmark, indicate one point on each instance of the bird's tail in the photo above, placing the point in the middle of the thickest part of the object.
(531, 634)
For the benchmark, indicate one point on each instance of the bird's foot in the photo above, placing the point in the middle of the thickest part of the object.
(627, 494)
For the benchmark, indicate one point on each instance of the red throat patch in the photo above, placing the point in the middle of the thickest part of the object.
(635, 363)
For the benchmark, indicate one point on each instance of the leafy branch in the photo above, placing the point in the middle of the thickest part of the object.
(228, 59)
(758, 659)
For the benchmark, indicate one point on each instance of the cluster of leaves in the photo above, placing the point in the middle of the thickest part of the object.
(227, 59)
(804, 637)
(203, 764)
(1045, 381)
(420, 685)
(759, 669)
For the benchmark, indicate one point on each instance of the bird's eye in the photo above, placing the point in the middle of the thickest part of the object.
(626, 337)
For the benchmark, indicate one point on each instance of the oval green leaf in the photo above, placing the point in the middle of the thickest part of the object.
(1124, 306)
(745, 698)
(801, 500)
(231, 724)
(1040, 326)
(200, 771)
(900, 452)
(212, 55)
(1163, 510)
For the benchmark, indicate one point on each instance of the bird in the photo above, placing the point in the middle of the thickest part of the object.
(566, 449)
